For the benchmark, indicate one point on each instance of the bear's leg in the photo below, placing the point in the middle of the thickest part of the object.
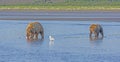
(42, 34)
(101, 32)
(31, 36)
(36, 36)
(96, 34)
(90, 33)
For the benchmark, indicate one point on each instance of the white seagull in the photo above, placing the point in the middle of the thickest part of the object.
(51, 38)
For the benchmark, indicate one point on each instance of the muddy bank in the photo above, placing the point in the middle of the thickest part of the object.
(66, 19)
(60, 15)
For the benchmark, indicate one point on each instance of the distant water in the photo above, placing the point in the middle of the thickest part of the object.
(71, 44)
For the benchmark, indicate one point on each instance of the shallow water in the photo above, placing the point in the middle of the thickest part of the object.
(71, 44)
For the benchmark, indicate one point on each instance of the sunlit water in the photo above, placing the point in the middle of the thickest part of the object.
(71, 44)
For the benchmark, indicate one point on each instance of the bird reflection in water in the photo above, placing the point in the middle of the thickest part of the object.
(51, 42)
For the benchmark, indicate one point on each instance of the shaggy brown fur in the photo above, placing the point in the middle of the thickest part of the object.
(33, 29)
(96, 29)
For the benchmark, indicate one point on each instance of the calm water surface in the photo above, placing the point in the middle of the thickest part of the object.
(71, 44)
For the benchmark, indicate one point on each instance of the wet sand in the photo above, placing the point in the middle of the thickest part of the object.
(92, 15)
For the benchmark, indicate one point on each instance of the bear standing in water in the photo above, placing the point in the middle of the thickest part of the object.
(33, 30)
(96, 29)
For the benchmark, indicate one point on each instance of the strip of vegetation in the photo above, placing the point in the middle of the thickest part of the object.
(74, 5)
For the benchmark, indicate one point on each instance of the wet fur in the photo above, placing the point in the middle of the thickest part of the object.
(96, 29)
(33, 30)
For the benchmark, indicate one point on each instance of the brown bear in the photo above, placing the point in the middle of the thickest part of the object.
(96, 29)
(33, 30)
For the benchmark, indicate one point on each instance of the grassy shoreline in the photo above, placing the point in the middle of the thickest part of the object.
(67, 5)
(58, 8)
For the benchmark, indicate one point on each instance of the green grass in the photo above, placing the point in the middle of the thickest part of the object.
(67, 6)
